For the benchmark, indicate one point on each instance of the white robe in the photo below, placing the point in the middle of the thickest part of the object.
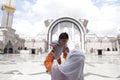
(71, 69)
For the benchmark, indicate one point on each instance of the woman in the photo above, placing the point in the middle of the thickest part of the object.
(71, 69)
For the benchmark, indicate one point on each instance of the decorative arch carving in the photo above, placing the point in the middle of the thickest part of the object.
(57, 26)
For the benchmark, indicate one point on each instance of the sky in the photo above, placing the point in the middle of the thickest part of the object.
(103, 15)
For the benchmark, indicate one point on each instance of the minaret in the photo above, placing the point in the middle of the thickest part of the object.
(8, 12)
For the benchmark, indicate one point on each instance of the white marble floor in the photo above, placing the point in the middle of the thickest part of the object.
(30, 67)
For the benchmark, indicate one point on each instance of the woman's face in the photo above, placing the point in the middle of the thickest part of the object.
(63, 42)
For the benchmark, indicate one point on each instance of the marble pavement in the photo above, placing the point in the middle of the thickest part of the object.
(30, 67)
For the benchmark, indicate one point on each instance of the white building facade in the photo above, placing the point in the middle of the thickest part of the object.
(95, 43)
(78, 37)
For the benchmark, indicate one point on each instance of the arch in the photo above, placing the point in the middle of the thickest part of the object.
(10, 50)
(33, 51)
(108, 49)
(25, 48)
(8, 47)
(81, 29)
(18, 48)
(116, 49)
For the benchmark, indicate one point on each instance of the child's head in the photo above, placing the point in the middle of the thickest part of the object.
(63, 38)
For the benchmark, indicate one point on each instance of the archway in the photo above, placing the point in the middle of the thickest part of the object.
(8, 47)
(73, 27)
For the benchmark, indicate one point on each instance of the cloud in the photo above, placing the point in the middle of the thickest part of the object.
(107, 21)
(103, 15)
(32, 14)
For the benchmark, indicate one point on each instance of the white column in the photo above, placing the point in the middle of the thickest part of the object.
(4, 18)
(9, 3)
(58, 32)
(73, 34)
(10, 19)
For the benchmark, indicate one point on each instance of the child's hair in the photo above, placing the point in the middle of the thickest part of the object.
(63, 35)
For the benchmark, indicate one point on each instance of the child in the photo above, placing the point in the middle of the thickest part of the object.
(59, 46)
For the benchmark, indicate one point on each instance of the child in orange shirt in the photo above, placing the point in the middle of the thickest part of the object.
(59, 47)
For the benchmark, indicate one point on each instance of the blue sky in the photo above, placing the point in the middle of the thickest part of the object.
(103, 15)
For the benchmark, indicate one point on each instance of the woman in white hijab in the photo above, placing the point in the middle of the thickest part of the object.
(71, 69)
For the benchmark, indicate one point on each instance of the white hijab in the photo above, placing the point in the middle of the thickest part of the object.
(71, 69)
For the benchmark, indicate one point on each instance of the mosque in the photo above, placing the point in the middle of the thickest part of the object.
(9, 41)
(79, 38)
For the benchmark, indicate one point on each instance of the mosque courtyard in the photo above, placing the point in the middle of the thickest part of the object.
(26, 66)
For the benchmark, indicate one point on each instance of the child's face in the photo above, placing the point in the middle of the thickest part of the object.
(63, 41)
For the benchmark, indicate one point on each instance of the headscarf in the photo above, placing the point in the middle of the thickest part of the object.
(71, 69)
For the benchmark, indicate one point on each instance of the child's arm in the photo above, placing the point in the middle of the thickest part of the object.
(53, 45)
